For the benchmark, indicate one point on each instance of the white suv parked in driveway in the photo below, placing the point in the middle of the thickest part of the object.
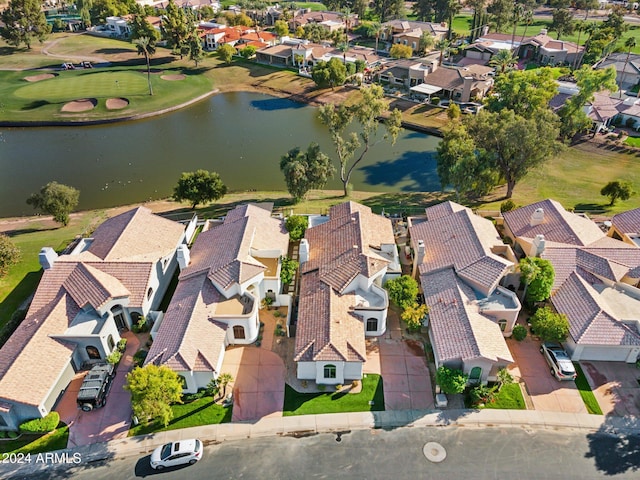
(560, 364)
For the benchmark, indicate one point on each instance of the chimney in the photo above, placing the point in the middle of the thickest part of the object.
(537, 246)
(537, 217)
(303, 251)
(47, 257)
(184, 257)
(421, 251)
(485, 30)
(466, 88)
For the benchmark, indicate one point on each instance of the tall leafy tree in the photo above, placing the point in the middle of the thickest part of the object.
(198, 187)
(329, 74)
(304, 171)
(56, 199)
(500, 14)
(549, 325)
(176, 28)
(9, 254)
(515, 144)
(399, 50)
(424, 10)
(479, 18)
(427, 42)
(22, 22)
(352, 148)
(226, 53)
(281, 28)
(403, 291)
(196, 52)
(153, 390)
(523, 91)
(388, 9)
(562, 22)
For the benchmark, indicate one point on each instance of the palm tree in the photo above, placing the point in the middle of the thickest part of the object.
(589, 29)
(347, 16)
(585, 5)
(374, 30)
(147, 48)
(223, 380)
(453, 7)
(442, 45)
(503, 61)
(629, 43)
(518, 12)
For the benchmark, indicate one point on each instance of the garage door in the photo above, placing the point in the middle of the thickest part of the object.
(605, 354)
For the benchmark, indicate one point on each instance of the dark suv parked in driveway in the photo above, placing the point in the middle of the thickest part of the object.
(95, 387)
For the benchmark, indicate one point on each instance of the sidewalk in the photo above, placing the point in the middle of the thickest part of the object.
(340, 422)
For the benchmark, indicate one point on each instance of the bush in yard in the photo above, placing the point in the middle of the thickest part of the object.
(550, 326)
(9, 254)
(12, 434)
(504, 377)
(507, 206)
(451, 380)
(153, 390)
(122, 344)
(414, 316)
(519, 333)
(41, 425)
(288, 269)
(296, 225)
(538, 275)
(114, 357)
(435, 100)
(482, 395)
(403, 291)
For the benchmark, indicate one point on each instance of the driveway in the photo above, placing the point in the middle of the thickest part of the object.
(103, 424)
(258, 387)
(616, 386)
(547, 393)
(403, 366)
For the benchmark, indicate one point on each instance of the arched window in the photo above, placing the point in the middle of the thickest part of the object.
(238, 332)
(93, 352)
(503, 324)
(329, 371)
(149, 293)
(474, 375)
(111, 343)
(372, 324)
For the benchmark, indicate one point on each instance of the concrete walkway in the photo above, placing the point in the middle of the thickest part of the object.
(340, 422)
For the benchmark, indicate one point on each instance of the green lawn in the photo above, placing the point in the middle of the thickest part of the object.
(56, 440)
(203, 411)
(508, 398)
(633, 141)
(587, 395)
(296, 403)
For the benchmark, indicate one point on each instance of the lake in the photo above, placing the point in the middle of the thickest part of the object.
(239, 135)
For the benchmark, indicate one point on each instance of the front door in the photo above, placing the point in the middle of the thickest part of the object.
(120, 321)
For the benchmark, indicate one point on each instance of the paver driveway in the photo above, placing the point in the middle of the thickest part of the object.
(616, 386)
(547, 393)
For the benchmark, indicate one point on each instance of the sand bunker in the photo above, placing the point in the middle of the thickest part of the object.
(80, 105)
(116, 103)
(173, 78)
(42, 76)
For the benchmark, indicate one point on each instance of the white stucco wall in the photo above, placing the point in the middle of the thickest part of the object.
(306, 371)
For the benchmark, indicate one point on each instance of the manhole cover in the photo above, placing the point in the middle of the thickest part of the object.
(434, 452)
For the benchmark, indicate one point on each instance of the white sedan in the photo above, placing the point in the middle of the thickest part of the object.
(176, 453)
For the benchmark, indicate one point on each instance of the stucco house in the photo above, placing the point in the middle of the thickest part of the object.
(104, 285)
(596, 278)
(464, 267)
(230, 269)
(627, 72)
(344, 263)
(407, 32)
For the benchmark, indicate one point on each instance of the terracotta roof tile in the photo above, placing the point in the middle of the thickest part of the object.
(627, 222)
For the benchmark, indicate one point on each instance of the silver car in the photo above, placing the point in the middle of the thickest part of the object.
(176, 453)
(560, 364)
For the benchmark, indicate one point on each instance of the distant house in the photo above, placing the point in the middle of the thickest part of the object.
(540, 48)
(597, 277)
(408, 32)
(627, 73)
(464, 268)
(625, 226)
(344, 264)
(214, 35)
(231, 268)
(106, 284)
(425, 77)
(331, 21)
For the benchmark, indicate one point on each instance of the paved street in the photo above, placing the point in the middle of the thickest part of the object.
(471, 453)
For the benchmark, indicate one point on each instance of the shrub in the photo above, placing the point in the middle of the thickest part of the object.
(3, 434)
(122, 344)
(507, 206)
(451, 380)
(296, 226)
(338, 387)
(519, 332)
(140, 357)
(12, 434)
(550, 326)
(435, 100)
(481, 394)
(322, 387)
(114, 357)
(41, 425)
(403, 291)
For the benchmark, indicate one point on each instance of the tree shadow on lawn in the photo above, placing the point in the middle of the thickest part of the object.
(114, 51)
(592, 207)
(37, 104)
